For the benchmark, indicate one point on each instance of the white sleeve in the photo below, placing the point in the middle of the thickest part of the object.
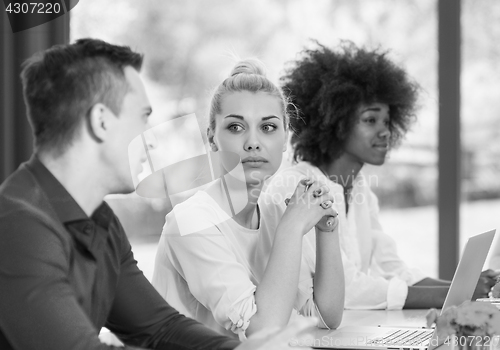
(385, 251)
(214, 276)
(387, 285)
(366, 291)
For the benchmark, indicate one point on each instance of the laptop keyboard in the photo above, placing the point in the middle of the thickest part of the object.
(402, 337)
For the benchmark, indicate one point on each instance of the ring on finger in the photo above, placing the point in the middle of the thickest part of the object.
(307, 187)
(326, 204)
(330, 221)
(317, 193)
(307, 183)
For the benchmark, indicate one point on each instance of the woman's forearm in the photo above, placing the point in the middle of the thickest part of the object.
(329, 284)
(276, 293)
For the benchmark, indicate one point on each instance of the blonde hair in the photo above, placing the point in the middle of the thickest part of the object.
(247, 75)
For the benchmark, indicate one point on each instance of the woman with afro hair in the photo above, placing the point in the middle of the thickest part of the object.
(353, 105)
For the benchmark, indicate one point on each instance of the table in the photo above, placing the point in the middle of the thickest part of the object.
(374, 318)
(393, 318)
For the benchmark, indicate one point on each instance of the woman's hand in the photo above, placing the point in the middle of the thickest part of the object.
(328, 223)
(486, 281)
(310, 205)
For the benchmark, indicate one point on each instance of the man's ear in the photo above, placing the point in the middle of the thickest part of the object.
(211, 142)
(99, 120)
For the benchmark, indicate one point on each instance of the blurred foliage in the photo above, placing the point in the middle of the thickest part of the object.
(191, 45)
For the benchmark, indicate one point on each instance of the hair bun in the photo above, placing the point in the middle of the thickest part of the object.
(249, 66)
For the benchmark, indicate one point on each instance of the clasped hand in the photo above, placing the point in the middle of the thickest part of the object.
(311, 203)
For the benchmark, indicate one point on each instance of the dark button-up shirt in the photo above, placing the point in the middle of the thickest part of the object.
(63, 276)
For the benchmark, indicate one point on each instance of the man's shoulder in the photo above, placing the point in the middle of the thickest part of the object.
(19, 187)
(21, 198)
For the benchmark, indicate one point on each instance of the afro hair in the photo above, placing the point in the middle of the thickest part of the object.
(327, 86)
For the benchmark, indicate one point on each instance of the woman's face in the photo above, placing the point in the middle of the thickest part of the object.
(251, 125)
(369, 139)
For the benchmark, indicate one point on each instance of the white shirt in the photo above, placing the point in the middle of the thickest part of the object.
(210, 268)
(375, 276)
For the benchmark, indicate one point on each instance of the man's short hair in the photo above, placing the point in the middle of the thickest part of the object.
(61, 84)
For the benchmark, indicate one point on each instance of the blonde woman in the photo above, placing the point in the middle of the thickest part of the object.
(242, 273)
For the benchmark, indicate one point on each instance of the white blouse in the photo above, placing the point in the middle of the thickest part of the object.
(208, 266)
(375, 276)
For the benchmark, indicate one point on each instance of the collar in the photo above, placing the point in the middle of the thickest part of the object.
(103, 215)
(66, 208)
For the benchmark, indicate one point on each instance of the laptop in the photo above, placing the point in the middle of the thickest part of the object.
(397, 338)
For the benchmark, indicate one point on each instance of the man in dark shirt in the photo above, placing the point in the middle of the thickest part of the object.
(66, 265)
